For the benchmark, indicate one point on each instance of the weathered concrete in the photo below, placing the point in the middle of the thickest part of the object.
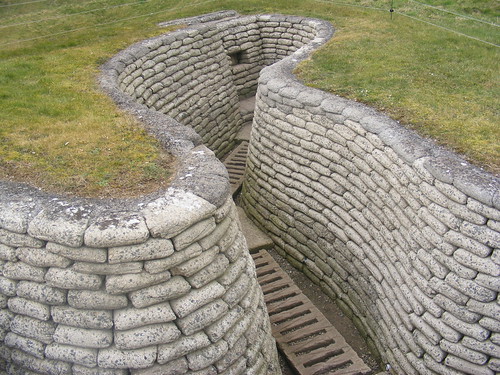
(401, 232)
(158, 284)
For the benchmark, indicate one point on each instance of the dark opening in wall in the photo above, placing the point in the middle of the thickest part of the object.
(236, 57)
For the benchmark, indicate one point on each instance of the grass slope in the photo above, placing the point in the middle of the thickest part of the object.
(443, 84)
(59, 132)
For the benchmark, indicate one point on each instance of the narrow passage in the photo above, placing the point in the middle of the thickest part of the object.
(307, 338)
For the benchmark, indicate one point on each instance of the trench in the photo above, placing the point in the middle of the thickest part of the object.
(398, 231)
(315, 350)
(402, 234)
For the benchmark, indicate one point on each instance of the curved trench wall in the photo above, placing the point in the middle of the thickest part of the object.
(198, 76)
(402, 234)
(162, 284)
(159, 286)
(398, 232)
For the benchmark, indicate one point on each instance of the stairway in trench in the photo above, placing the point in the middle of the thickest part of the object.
(304, 336)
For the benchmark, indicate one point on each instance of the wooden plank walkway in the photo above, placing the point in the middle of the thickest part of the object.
(303, 334)
(235, 163)
(305, 337)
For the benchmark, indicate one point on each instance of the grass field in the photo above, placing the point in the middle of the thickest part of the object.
(432, 64)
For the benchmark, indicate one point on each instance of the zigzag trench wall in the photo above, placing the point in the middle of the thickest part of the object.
(398, 232)
(161, 284)
(402, 234)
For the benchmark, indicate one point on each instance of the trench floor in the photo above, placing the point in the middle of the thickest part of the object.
(313, 336)
(327, 341)
(310, 343)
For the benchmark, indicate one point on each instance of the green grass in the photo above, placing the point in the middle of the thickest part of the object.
(445, 85)
(59, 132)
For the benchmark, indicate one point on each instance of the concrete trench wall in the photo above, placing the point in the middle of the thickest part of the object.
(402, 234)
(161, 284)
(198, 75)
